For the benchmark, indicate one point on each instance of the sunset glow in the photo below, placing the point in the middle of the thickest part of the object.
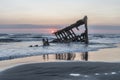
(59, 12)
(52, 30)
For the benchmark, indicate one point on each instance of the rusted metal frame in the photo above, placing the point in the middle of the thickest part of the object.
(67, 33)
(57, 36)
(63, 36)
(60, 36)
(71, 34)
(66, 36)
(86, 30)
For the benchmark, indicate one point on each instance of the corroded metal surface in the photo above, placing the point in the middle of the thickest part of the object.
(68, 35)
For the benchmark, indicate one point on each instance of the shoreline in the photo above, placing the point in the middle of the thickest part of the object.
(93, 57)
(48, 67)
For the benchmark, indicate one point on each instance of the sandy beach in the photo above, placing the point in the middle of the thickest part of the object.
(49, 68)
(103, 55)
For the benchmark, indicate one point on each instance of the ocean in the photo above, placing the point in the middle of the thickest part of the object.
(17, 45)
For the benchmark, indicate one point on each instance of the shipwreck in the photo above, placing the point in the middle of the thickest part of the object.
(67, 34)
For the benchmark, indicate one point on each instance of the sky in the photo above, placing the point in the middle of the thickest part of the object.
(103, 15)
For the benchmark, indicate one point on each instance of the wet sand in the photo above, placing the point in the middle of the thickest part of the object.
(64, 71)
(102, 65)
(103, 55)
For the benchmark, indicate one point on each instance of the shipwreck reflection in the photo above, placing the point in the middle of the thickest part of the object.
(45, 57)
(84, 56)
(66, 56)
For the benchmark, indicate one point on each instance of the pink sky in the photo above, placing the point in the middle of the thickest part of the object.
(58, 12)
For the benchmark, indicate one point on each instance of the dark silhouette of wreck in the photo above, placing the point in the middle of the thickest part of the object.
(68, 35)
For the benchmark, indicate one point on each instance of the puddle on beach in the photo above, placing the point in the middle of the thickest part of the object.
(66, 56)
(105, 55)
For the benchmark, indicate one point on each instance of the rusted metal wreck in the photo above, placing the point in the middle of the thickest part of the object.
(68, 35)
